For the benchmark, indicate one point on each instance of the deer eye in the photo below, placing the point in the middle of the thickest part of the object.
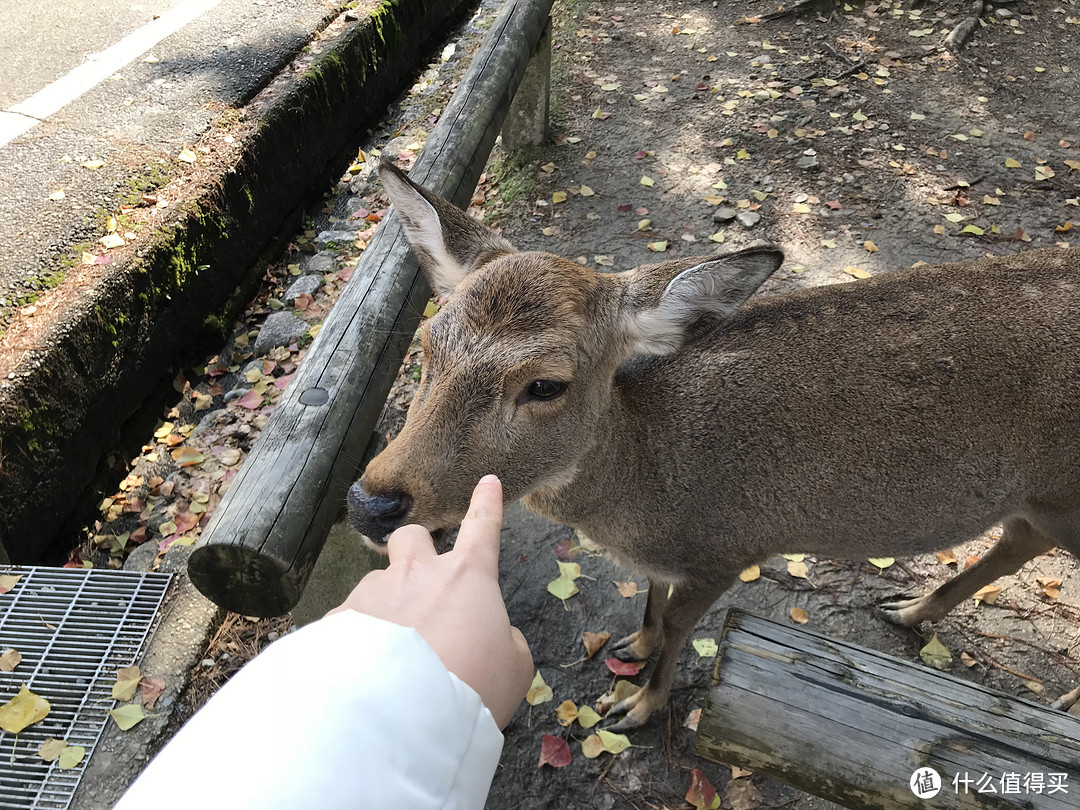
(543, 390)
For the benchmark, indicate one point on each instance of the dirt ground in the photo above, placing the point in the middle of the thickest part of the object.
(849, 135)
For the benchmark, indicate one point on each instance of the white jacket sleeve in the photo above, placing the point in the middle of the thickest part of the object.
(348, 712)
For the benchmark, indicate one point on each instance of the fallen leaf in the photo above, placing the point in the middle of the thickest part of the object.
(947, 557)
(1043, 173)
(706, 647)
(566, 713)
(586, 191)
(111, 240)
(562, 588)
(625, 668)
(539, 692)
(151, 689)
(592, 746)
(187, 156)
(554, 751)
(972, 229)
(657, 247)
(127, 681)
(71, 756)
(187, 456)
(797, 569)
(967, 660)
(23, 710)
(51, 748)
(558, 197)
(647, 181)
(613, 743)
(799, 616)
(936, 654)
(988, 594)
(717, 237)
(800, 208)
(9, 581)
(882, 562)
(701, 793)
(1012, 164)
(627, 589)
(869, 246)
(857, 272)
(11, 658)
(741, 794)
(594, 641)
(750, 574)
(739, 773)
(1050, 587)
(251, 400)
(587, 717)
(692, 720)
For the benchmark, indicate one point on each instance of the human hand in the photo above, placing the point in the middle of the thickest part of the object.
(454, 601)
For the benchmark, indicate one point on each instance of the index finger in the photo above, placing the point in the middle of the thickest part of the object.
(479, 533)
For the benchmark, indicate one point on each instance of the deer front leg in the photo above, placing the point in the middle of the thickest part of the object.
(684, 607)
(640, 644)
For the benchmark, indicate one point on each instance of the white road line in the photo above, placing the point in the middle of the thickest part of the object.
(97, 68)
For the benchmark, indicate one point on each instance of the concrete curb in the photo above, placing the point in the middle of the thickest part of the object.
(65, 406)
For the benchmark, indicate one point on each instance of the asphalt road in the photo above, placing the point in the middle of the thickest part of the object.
(170, 66)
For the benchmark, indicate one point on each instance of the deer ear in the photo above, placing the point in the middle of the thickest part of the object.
(657, 315)
(449, 243)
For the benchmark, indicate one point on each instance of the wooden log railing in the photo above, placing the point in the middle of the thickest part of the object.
(856, 726)
(262, 541)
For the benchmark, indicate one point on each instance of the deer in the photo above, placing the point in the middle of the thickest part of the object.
(692, 431)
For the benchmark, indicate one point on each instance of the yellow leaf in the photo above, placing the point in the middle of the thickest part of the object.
(187, 456)
(989, 594)
(858, 115)
(594, 641)
(127, 681)
(1043, 173)
(800, 208)
(750, 574)
(613, 743)
(972, 229)
(9, 581)
(799, 615)
(794, 557)
(706, 647)
(647, 181)
(586, 191)
(587, 717)
(558, 197)
(569, 570)
(71, 756)
(954, 217)
(717, 237)
(988, 200)
(562, 588)
(882, 562)
(657, 247)
(714, 199)
(431, 310)
(10, 659)
(828, 243)
(539, 692)
(856, 272)
(742, 154)
(936, 654)
(1012, 164)
(567, 713)
(1074, 165)
(23, 710)
(870, 247)
(127, 716)
(187, 156)
(939, 230)
(92, 164)
(592, 746)
(797, 569)
(51, 749)
(547, 168)
(644, 225)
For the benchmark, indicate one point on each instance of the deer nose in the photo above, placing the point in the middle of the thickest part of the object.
(377, 515)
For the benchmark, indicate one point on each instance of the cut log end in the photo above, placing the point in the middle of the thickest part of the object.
(244, 581)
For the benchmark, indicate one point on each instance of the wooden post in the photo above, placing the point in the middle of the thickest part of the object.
(527, 122)
(262, 541)
(852, 725)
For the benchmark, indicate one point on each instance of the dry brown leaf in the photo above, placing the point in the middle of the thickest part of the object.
(594, 641)
(797, 569)
(750, 574)
(799, 615)
(627, 589)
(10, 659)
(947, 557)
(988, 594)
(1049, 586)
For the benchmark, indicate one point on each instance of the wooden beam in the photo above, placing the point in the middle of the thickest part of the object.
(852, 725)
(262, 541)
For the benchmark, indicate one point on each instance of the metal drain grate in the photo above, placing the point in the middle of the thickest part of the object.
(74, 629)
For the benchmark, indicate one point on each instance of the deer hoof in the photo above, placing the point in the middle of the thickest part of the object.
(908, 612)
(629, 648)
(634, 714)
(1067, 703)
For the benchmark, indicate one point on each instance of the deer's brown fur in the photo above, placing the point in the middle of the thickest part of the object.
(699, 434)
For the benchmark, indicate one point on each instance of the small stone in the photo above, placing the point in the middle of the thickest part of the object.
(335, 237)
(724, 214)
(748, 219)
(319, 265)
(235, 394)
(279, 329)
(1004, 13)
(305, 285)
(807, 162)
